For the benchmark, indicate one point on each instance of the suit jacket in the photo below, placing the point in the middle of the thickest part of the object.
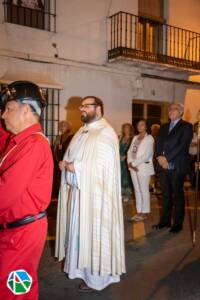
(144, 156)
(175, 145)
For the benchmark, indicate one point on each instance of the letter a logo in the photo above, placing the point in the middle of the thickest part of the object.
(19, 282)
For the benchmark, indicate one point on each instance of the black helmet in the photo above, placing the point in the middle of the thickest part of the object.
(25, 92)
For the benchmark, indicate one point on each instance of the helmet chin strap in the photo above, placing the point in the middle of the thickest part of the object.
(34, 105)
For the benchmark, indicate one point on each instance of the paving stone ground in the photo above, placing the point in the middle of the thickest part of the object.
(160, 265)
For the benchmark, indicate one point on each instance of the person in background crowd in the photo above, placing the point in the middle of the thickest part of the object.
(90, 229)
(197, 166)
(193, 155)
(62, 141)
(124, 144)
(140, 163)
(154, 183)
(26, 171)
(197, 169)
(155, 128)
(172, 152)
(60, 146)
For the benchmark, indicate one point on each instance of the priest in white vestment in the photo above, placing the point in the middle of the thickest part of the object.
(90, 228)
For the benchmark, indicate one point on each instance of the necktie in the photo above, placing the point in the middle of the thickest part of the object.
(171, 126)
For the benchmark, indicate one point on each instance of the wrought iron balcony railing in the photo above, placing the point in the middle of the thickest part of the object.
(140, 38)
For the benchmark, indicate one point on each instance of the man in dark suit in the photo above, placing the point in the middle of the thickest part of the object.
(173, 159)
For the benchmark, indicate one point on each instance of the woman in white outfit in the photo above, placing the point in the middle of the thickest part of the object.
(140, 162)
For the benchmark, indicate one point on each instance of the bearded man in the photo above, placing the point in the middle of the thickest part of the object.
(90, 230)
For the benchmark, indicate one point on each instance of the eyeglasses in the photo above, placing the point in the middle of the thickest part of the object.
(86, 105)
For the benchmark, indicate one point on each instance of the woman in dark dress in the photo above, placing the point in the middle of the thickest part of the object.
(124, 143)
(60, 146)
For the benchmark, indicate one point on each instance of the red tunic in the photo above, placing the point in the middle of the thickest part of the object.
(3, 137)
(26, 173)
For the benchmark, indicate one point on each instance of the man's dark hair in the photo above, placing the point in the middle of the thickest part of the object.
(97, 101)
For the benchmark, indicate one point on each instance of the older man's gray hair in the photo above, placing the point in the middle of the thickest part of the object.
(179, 106)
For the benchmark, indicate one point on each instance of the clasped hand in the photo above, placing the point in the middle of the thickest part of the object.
(133, 168)
(64, 165)
(163, 162)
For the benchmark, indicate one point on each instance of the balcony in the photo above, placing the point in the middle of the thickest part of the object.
(135, 37)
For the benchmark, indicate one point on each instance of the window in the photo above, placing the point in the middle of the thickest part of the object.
(137, 112)
(150, 26)
(149, 36)
(153, 112)
(32, 13)
(50, 117)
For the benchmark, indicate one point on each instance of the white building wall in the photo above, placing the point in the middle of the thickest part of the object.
(184, 14)
(82, 40)
(115, 89)
(81, 31)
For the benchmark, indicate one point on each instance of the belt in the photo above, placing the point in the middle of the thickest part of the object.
(24, 221)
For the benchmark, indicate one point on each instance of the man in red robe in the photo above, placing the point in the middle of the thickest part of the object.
(26, 170)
